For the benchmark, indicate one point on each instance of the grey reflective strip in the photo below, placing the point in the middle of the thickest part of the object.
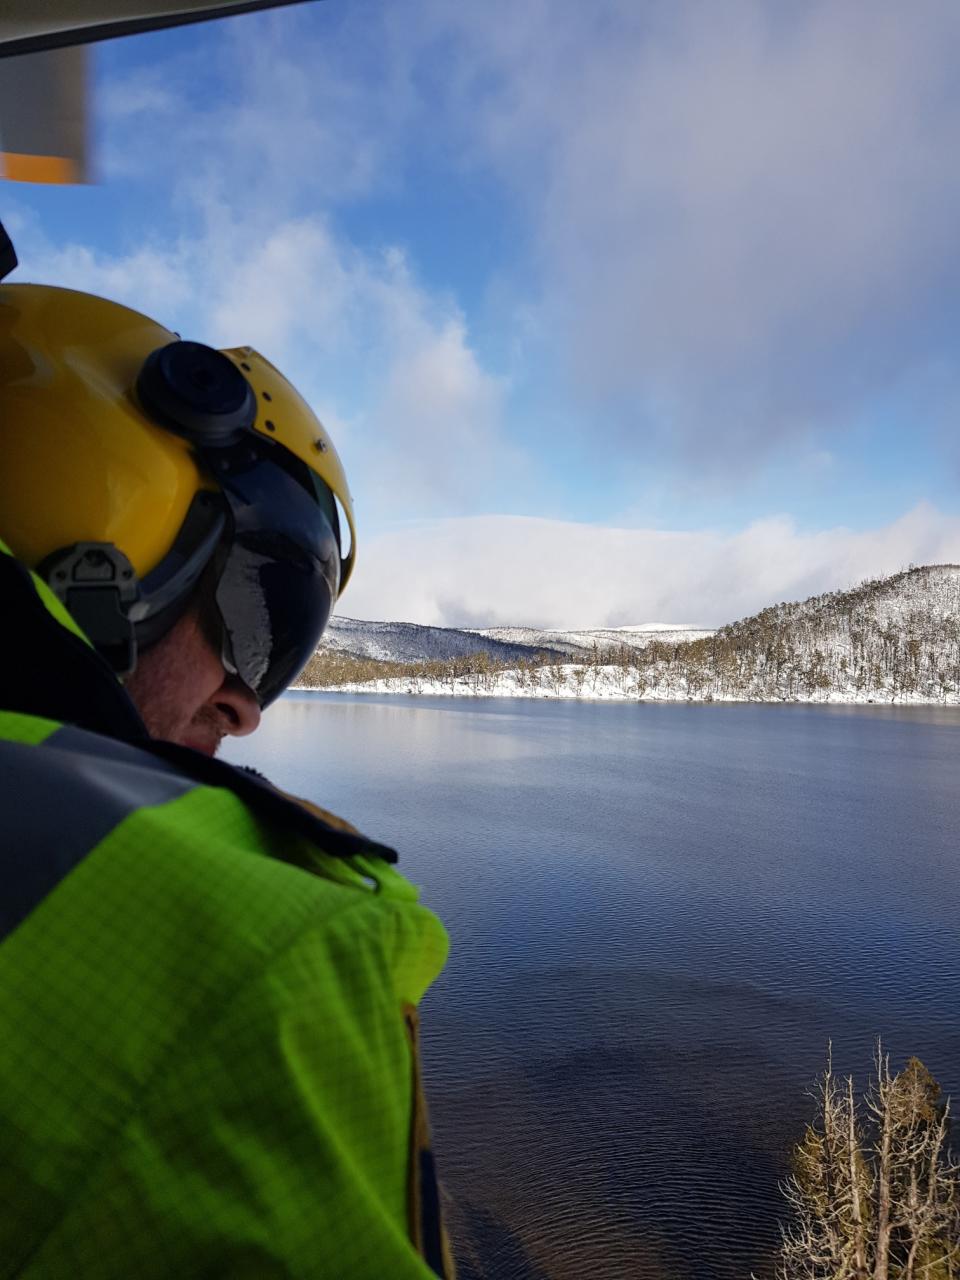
(84, 743)
(59, 800)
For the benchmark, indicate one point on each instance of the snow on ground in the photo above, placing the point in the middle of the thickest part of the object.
(608, 684)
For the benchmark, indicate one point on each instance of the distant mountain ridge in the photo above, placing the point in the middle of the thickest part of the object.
(578, 643)
(411, 642)
(892, 639)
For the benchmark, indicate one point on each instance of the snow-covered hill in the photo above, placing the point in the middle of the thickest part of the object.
(895, 639)
(890, 639)
(408, 642)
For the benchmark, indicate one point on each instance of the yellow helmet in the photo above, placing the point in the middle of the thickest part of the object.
(132, 463)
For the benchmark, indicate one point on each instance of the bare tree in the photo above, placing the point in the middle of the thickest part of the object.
(874, 1192)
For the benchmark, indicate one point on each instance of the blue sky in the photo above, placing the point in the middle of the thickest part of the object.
(629, 312)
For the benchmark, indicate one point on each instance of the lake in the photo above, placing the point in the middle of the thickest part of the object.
(660, 914)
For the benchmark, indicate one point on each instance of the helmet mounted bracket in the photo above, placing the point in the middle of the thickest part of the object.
(98, 585)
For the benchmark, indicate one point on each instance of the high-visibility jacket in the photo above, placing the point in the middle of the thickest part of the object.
(207, 993)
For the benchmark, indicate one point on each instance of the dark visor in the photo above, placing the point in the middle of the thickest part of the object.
(279, 578)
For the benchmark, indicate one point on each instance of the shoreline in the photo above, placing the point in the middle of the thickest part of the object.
(404, 687)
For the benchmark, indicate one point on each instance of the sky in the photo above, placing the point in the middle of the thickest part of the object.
(633, 311)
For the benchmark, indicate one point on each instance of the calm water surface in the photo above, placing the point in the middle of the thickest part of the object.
(659, 915)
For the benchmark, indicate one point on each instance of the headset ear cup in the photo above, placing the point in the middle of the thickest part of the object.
(198, 393)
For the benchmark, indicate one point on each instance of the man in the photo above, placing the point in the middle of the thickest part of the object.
(207, 989)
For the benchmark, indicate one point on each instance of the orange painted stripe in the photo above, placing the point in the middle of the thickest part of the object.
(21, 168)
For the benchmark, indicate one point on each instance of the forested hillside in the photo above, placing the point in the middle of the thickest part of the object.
(892, 637)
(890, 640)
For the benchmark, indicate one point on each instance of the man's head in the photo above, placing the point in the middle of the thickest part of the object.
(185, 504)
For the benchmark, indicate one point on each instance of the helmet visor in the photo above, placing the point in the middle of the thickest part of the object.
(279, 578)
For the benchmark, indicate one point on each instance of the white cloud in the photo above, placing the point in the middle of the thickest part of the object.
(502, 570)
(155, 281)
(441, 416)
(746, 212)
